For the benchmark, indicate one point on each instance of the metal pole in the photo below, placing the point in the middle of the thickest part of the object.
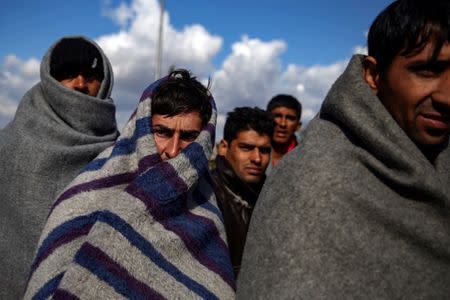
(160, 40)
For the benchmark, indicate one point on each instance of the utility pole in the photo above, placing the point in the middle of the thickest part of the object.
(160, 40)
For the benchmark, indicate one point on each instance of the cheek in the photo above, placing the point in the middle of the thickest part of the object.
(236, 159)
(159, 143)
(94, 87)
(185, 144)
(67, 83)
(265, 159)
(292, 126)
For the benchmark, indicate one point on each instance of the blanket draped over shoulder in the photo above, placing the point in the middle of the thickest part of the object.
(56, 132)
(132, 225)
(355, 211)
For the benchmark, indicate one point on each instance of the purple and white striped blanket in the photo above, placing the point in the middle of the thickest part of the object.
(133, 226)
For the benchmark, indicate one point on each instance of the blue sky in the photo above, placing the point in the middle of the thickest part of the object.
(251, 49)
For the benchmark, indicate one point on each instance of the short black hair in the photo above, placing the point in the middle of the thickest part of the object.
(73, 56)
(247, 118)
(288, 101)
(182, 93)
(405, 27)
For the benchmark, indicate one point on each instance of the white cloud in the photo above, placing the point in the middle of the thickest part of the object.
(250, 75)
(253, 73)
(132, 50)
(16, 77)
(360, 50)
(122, 15)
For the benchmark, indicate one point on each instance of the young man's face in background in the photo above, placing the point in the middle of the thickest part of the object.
(286, 124)
(248, 154)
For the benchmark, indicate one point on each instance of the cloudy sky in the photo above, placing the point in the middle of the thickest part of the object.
(251, 50)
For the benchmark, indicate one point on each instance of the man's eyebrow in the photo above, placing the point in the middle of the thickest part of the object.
(437, 64)
(158, 126)
(246, 145)
(431, 62)
(189, 131)
(284, 114)
(162, 128)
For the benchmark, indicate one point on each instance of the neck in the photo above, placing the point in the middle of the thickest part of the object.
(279, 150)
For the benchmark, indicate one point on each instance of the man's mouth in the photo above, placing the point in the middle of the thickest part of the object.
(436, 121)
(281, 133)
(254, 170)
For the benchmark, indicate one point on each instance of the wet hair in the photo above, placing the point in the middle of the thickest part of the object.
(285, 101)
(405, 27)
(74, 56)
(180, 94)
(247, 118)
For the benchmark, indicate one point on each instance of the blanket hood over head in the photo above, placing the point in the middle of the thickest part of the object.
(131, 225)
(355, 211)
(56, 131)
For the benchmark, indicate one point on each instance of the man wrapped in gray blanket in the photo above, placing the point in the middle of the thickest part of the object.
(360, 209)
(61, 124)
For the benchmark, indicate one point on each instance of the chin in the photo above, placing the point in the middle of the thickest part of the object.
(432, 141)
(280, 141)
(252, 179)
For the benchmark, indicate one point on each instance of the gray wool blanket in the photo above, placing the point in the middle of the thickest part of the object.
(56, 131)
(356, 211)
(133, 226)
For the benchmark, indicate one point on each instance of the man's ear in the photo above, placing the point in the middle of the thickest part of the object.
(222, 148)
(371, 74)
(299, 125)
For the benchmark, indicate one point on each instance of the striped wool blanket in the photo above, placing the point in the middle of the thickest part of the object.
(133, 226)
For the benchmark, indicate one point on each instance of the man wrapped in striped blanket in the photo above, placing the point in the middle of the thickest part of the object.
(137, 223)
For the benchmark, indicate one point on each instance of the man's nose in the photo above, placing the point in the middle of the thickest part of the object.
(282, 122)
(442, 94)
(173, 147)
(80, 81)
(256, 156)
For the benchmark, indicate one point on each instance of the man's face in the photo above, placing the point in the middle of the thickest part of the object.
(173, 134)
(286, 123)
(248, 155)
(417, 94)
(88, 85)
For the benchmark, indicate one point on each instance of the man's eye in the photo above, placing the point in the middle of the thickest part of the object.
(162, 133)
(189, 136)
(246, 147)
(428, 70)
(426, 73)
(90, 78)
(69, 75)
(265, 150)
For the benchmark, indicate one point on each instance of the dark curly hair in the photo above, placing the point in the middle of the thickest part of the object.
(247, 118)
(182, 93)
(288, 101)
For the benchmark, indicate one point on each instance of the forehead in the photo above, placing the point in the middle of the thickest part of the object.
(251, 137)
(426, 53)
(285, 111)
(185, 121)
